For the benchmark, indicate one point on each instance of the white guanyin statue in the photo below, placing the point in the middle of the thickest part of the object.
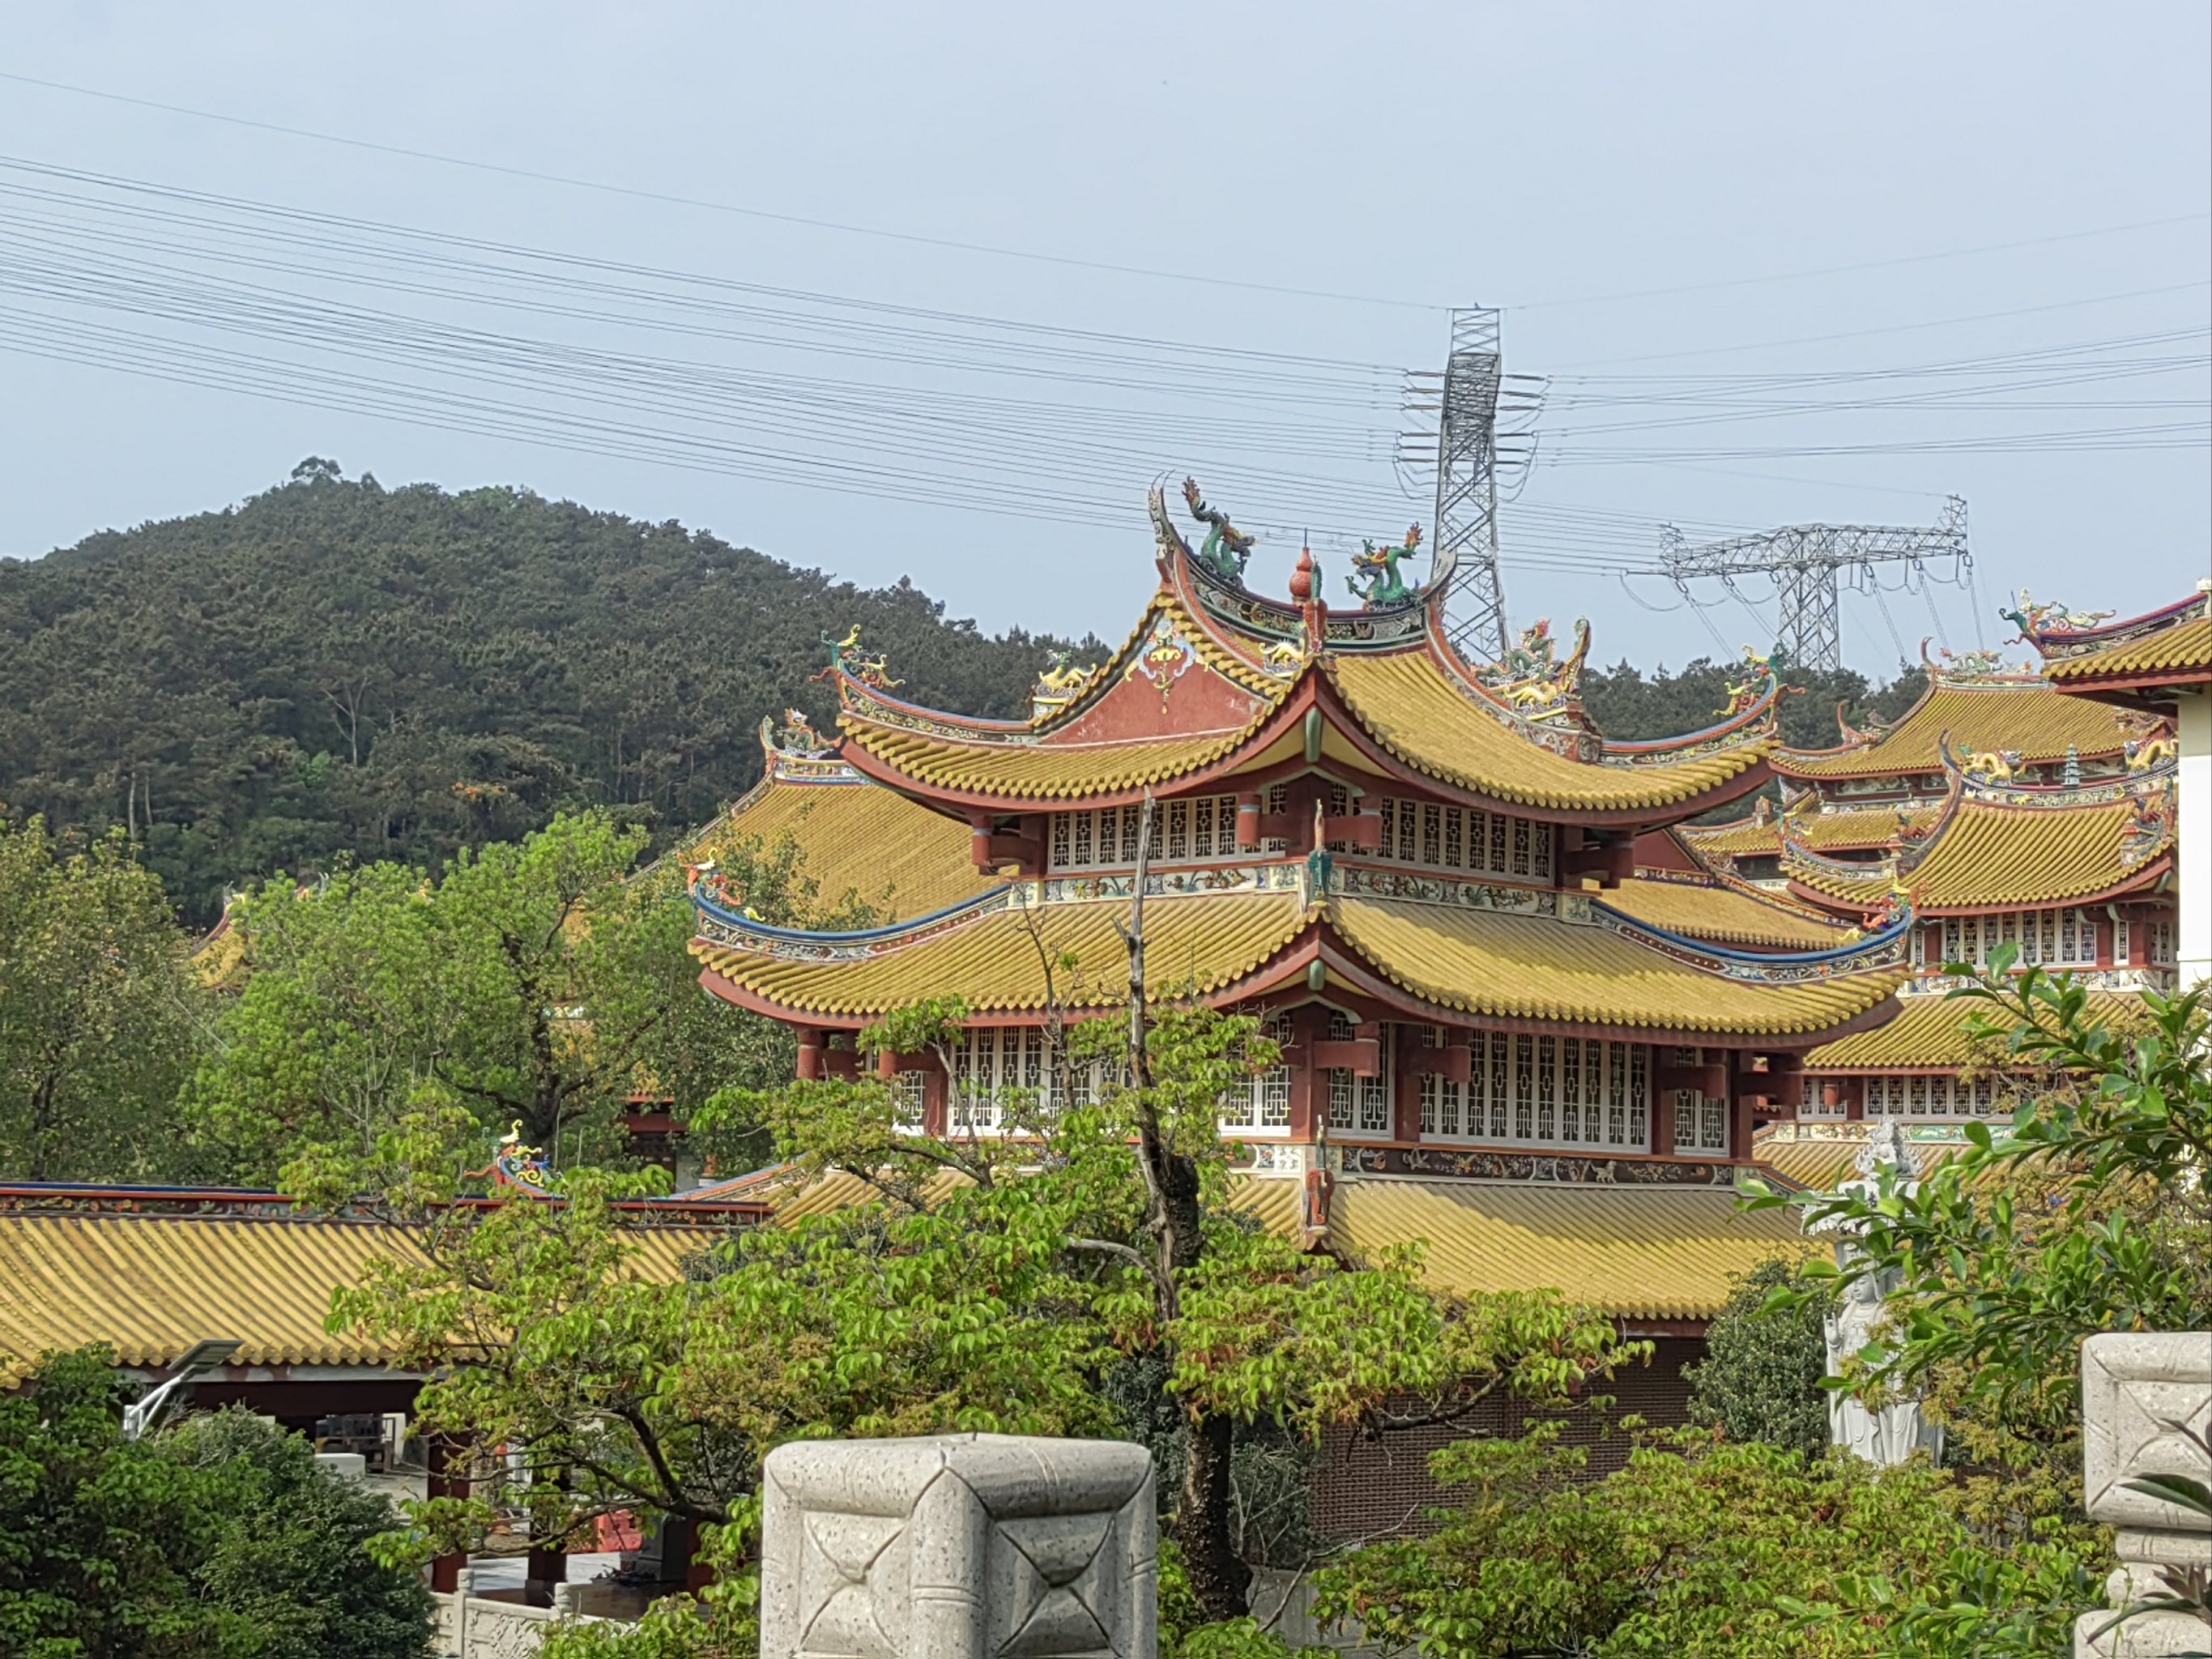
(1892, 1434)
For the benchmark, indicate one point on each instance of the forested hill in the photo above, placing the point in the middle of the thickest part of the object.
(337, 668)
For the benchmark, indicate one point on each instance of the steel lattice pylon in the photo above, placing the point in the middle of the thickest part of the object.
(1467, 487)
(1806, 562)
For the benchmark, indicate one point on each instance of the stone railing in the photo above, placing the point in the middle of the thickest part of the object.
(958, 1546)
(472, 1626)
(2142, 1399)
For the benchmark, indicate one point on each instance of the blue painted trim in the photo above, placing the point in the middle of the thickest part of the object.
(1890, 935)
(737, 919)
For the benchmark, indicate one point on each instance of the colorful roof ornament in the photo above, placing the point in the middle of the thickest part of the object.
(1226, 548)
(1379, 567)
(518, 1168)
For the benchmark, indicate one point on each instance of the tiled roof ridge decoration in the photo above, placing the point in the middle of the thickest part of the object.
(2056, 727)
(793, 750)
(1723, 879)
(2092, 853)
(1265, 648)
(2059, 635)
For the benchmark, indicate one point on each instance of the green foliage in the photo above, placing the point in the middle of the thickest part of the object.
(292, 1564)
(336, 669)
(100, 1016)
(1627, 703)
(1760, 1378)
(1002, 1302)
(220, 1540)
(2088, 1217)
(391, 1024)
(1701, 1548)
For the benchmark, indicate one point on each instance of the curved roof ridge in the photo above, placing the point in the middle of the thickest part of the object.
(2064, 641)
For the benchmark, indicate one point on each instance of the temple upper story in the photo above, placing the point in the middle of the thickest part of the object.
(1423, 876)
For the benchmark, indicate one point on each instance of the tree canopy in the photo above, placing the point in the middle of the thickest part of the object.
(220, 1539)
(336, 668)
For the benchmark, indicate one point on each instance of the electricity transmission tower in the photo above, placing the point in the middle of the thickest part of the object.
(1468, 454)
(1810, 562)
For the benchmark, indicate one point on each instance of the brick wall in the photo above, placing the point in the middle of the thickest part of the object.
(1379, 1488)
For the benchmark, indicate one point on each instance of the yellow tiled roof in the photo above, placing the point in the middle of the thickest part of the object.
(996, 962)
(979, 758)
(1930, 1034)
(1844, 829)
(1643, 1255)
(1405, 700)
(152, 1286)
(2028, 715)
(1653, 1254)
(1534, 967)
(1724, 914)
(1042, 771)
(2185, 648)
(1822, 1165)
(858, 837)
(1991, 854)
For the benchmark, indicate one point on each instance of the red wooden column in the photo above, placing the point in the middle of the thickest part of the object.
(1309, 1099)
(448, 1460)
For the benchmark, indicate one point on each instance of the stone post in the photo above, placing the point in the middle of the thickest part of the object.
(2136, 1389)
(958, 1546)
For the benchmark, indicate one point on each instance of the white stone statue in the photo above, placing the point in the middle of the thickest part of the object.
(1892, 1434)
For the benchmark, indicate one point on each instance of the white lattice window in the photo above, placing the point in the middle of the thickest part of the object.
(2077, 938)
(1712, 1124)
(1183, 832)
(1523, 837)
(989, 1066)
(1265, 1104)
(1685, 1119)
(1341, 1099)
(909, 1089)
(2161, 952)
(1446, 838)
(1545, 1091)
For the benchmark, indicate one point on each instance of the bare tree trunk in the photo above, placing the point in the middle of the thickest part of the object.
(1219, 1578)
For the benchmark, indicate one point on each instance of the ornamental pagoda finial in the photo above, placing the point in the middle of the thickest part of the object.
(1303, 579)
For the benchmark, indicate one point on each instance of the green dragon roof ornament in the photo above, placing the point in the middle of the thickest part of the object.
(1226, 548)
(1379, 565)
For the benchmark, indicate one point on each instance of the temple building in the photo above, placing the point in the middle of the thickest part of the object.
(2160, 663)
(2002, 813)
(1500, 1031)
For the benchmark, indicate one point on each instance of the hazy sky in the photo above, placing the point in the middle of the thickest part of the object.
(1563, 161)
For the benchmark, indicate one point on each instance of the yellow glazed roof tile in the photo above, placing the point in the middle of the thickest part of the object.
(1045, 771)
(996, 962)
(151, 1286)
(1995, 855)
(1723, 915)
(1534, 967)
(1642, 1255)
(1822, 1165)
(1841, 829)
(2022, 714)
(1930, 1034)
(2181, 649)
(1405, 700)
(857, 837)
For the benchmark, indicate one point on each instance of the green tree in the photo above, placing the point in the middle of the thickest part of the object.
(534, 983)
(99, 1012)
(1761, 1378)
(220, 1539)
(332, 669)
(100, 1537)
(1701, 1548)
(290, 1564)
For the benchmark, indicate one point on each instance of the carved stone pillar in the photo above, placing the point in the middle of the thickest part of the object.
(2143, 1395)
(958, 1546)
